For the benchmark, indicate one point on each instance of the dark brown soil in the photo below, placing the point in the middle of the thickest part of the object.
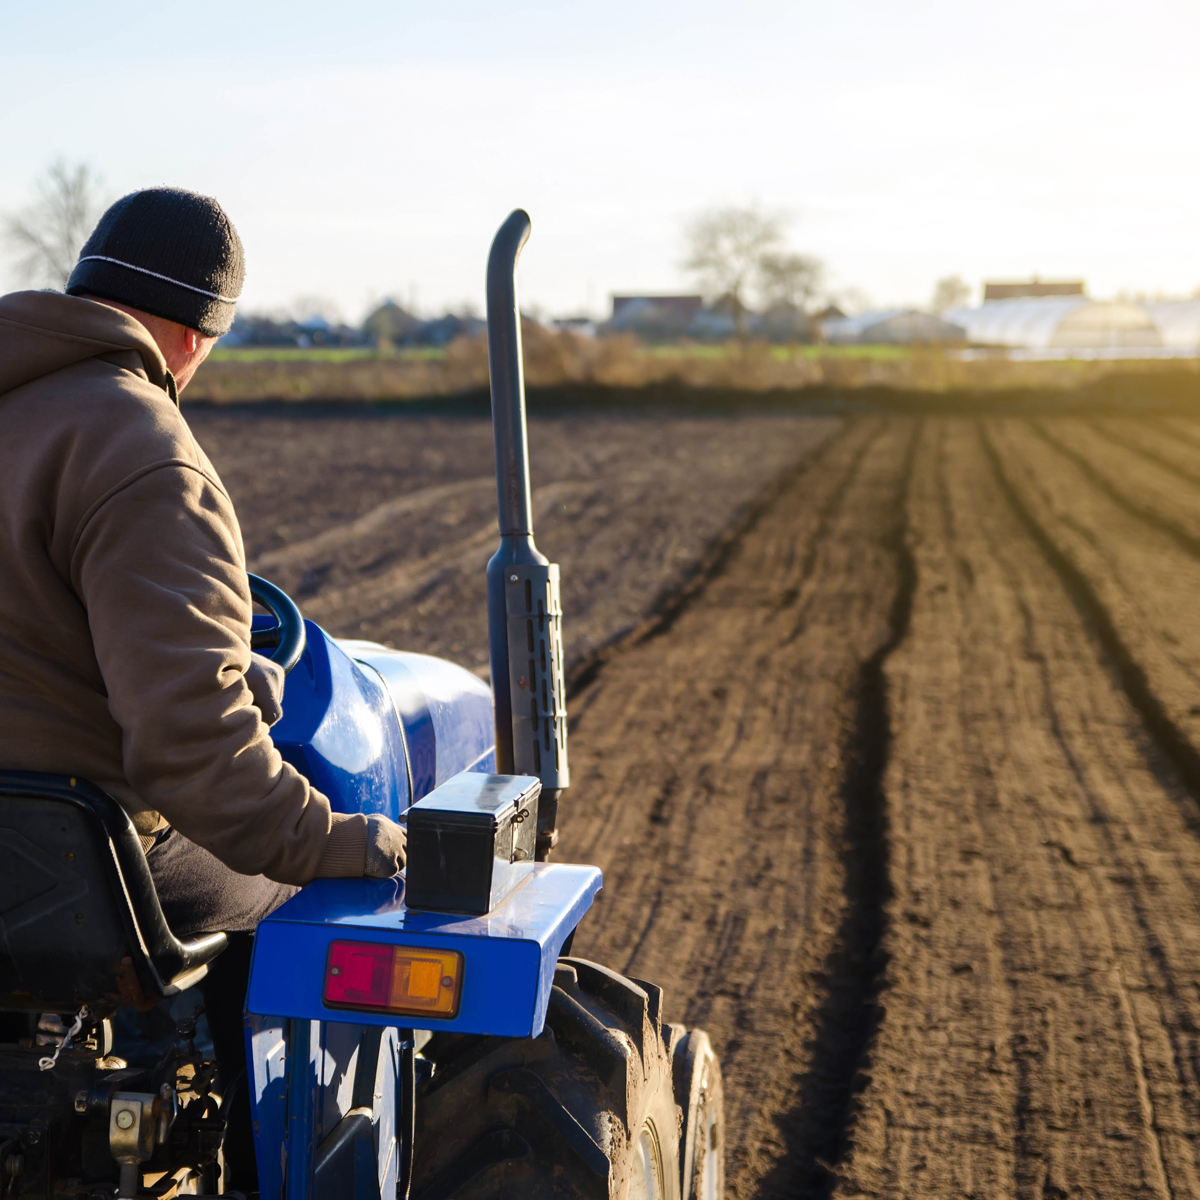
(380, 522)
(900, 801)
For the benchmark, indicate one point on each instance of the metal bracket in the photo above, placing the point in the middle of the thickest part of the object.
(132, 1122)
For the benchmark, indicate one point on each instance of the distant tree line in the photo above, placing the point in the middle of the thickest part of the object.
(755, 284)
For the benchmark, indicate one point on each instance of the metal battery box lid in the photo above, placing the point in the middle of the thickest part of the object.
(471, 841)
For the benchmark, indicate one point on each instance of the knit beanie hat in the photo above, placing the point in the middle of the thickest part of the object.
(169, 252)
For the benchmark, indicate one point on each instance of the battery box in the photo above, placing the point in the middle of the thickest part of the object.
(470, 842)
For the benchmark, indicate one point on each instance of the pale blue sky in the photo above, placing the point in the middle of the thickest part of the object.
(369, 148)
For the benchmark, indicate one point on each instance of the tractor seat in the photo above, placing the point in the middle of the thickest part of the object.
(80, 921)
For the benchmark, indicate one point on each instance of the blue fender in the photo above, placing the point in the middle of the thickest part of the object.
(375, 730)
(302, 1053)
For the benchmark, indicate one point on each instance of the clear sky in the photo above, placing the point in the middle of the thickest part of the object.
(366, 149)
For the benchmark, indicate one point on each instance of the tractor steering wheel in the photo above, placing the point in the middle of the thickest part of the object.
(284, 641)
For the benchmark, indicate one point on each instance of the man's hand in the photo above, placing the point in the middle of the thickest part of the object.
(385, 847)
(265, 680)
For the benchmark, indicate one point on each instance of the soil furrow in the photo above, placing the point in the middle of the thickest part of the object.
(673, 601)
(1185, 428)
(1124, 495)
(1130, 895)
(708, 783)
(1039, 1037)
(850, 1012)
(931, 1120)
(1152, 443)
(1176, 742)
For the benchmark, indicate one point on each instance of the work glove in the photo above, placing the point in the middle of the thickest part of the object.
(265, 680)
(385, 847)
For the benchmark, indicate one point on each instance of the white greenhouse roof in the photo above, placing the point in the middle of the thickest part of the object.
(891, 325)
(1063, 322)
(1178, 322)
(845, 330)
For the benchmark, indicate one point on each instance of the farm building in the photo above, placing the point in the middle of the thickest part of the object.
(1058, 322)
(893, 326)
(1178, 322)
(654, 317)
(1032, 287)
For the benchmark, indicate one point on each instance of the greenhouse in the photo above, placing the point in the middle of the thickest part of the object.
(893, 326)
(1178, 322)
(1058, 322)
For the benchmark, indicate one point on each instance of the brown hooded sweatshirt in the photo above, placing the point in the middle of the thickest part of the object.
(124, 606)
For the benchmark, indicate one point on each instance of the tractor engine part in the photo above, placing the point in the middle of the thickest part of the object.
(471, 842)
(524, 611)
(132, 1126)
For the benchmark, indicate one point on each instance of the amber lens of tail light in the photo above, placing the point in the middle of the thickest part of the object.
(409, 980)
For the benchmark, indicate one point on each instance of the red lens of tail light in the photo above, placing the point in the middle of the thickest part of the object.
(410, 980)
(358, 974)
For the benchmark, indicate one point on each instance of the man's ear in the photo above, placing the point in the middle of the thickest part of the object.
(191, 340)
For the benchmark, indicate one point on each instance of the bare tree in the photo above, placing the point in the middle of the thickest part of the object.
(47, 236)
(950, 292)
(725, 250)
(305, 309)
(790, 278)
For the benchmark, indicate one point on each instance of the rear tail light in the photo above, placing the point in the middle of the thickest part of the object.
(398, 979)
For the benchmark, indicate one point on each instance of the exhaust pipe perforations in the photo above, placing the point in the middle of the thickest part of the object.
(536, 670)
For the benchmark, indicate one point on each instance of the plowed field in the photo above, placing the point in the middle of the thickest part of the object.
(887, 735)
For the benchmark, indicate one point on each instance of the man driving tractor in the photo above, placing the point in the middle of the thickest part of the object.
(125, 612)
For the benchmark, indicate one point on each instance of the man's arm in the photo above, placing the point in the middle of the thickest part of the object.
(160, 568)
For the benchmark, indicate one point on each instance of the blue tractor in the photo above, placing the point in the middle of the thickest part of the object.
(427, 1036)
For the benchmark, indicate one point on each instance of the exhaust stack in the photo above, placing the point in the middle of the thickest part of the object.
(524, 610)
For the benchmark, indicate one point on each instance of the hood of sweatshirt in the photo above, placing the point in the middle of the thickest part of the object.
(43, 332)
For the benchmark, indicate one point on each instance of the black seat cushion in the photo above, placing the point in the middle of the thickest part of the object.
(80, 921)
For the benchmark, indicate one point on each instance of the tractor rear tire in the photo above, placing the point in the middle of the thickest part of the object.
(701, 1096)
(585, 1110)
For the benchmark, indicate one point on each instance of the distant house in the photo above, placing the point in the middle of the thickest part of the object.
(391, 325)
(1035, 287)
(657, 318)
(580, 326)
(715, 323)
(783, 323)
(669, 318)
(827, 315)
(830, 312)
(893, 326)
(250, 330)
(681, 308)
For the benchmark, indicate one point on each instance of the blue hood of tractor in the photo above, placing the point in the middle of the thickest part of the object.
(376, 729)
